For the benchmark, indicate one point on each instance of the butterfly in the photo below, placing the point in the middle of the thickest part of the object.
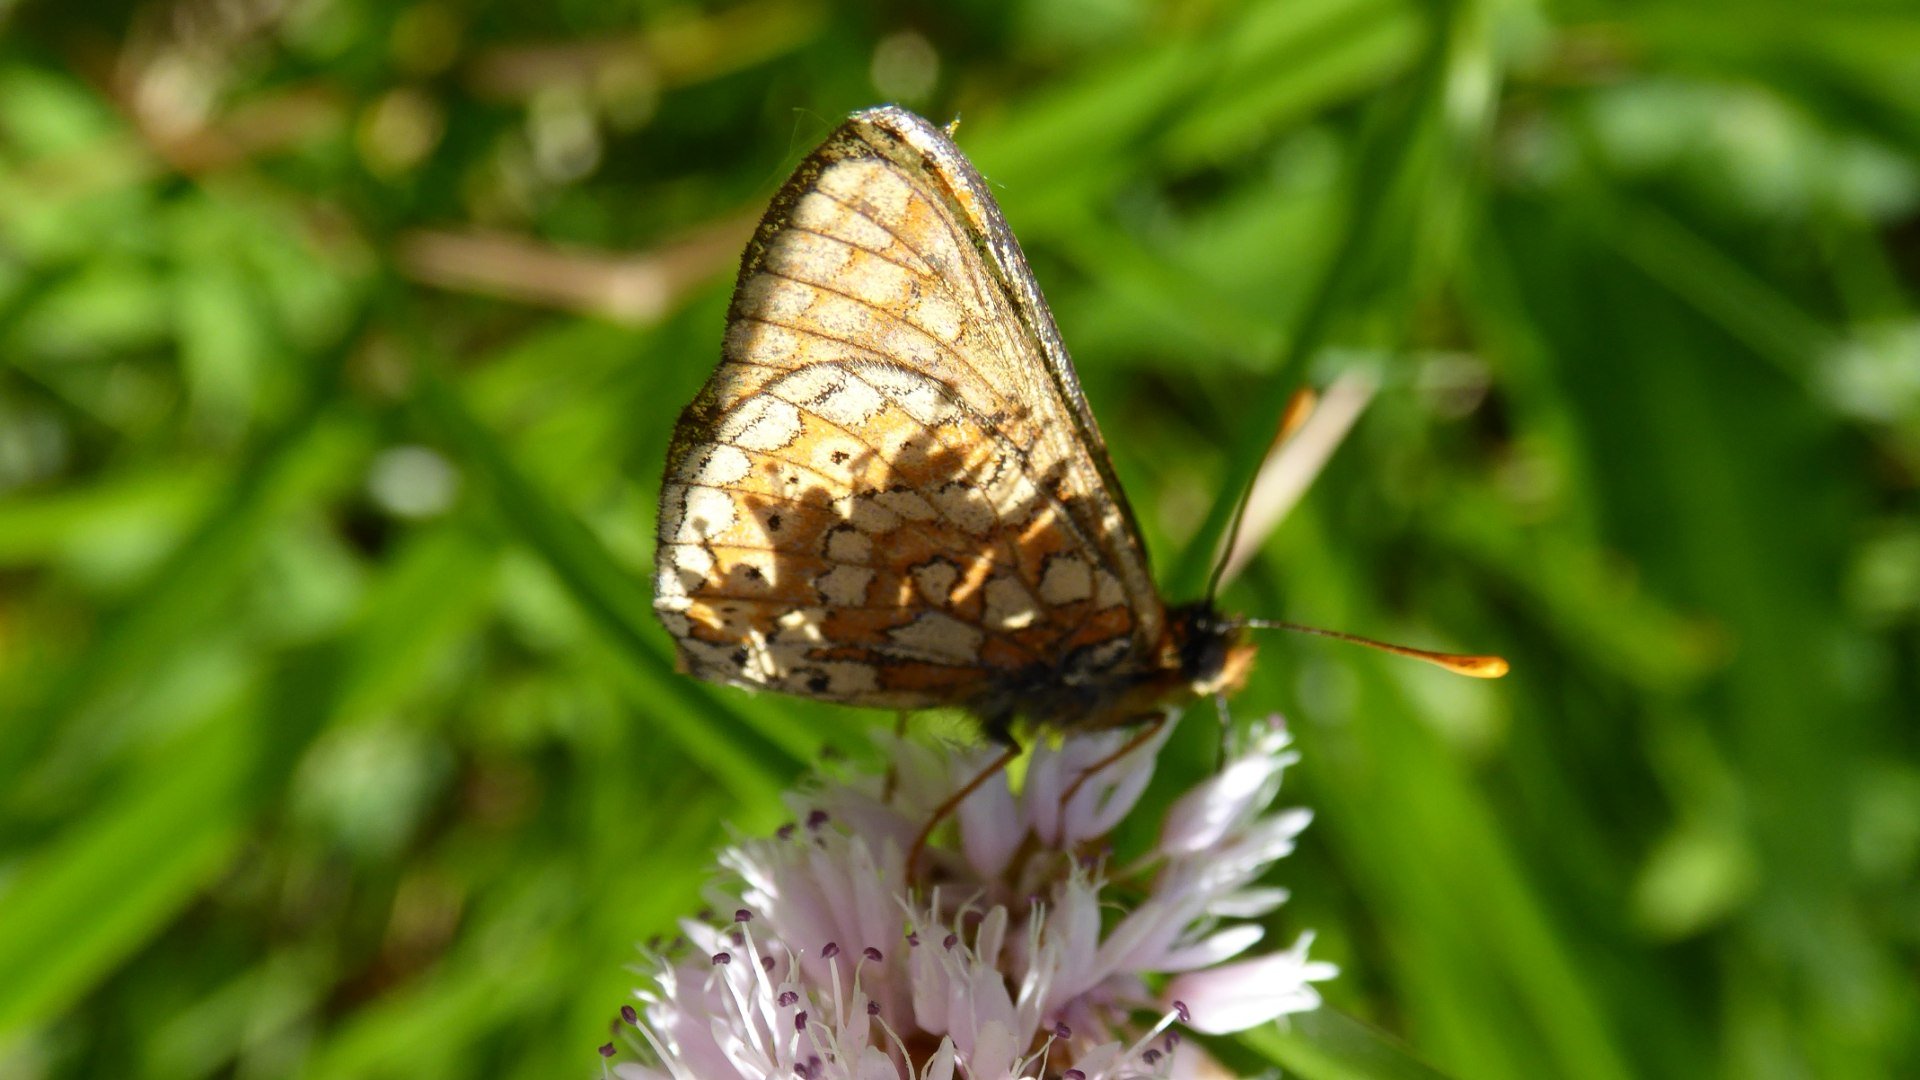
(891, 492)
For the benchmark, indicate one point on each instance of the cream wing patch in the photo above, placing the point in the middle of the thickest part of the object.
(937, 636)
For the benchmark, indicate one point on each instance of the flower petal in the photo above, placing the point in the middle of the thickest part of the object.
(1212, 949)
(994, 1050)
(875, 1065)
(1238, 996)
(990, 828)
(1203, 817)
(1247, 903)
(940, 1066)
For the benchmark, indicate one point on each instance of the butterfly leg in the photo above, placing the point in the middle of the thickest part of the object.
(1226, 730)
(1147, 732)
(893, 773)
(952, 803)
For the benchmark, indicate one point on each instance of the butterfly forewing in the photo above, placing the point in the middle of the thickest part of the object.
(890, 492)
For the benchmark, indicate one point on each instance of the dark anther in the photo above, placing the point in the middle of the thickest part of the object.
(723, 958)
(628, 1014)
(872, 954)
(606, 1050)
(816, 819)
(829, 951)
(786, 998)
(742, 915)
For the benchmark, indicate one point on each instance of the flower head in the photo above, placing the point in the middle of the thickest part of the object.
(1011, 954)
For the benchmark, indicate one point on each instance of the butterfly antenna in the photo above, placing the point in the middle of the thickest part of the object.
(1299, 407)
(1477, 667)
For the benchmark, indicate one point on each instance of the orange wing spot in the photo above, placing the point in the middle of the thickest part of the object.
(917, 675)
(1106, 625)
(912, 543)
(863, 627)
(1009, 653)
(1044, 536)
(966, 594)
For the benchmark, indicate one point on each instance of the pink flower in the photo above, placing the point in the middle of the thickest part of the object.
(997, 963)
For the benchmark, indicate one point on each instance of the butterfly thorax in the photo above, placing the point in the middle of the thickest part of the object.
(1200, 655)
(1215, 653)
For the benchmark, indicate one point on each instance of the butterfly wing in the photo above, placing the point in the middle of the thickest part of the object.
(891, 493)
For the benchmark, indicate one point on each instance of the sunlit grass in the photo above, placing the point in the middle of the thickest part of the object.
(310, 764)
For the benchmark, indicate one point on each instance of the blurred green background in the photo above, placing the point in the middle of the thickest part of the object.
(339, 344)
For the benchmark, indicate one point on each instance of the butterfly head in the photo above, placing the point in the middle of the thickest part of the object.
(1215, 654)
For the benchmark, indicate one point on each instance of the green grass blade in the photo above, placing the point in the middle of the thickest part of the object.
(198, 575)
(1378, 171)
(1327, 1044)
(114, 878)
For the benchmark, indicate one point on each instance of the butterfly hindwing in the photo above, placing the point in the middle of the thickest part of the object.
(890, 492)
